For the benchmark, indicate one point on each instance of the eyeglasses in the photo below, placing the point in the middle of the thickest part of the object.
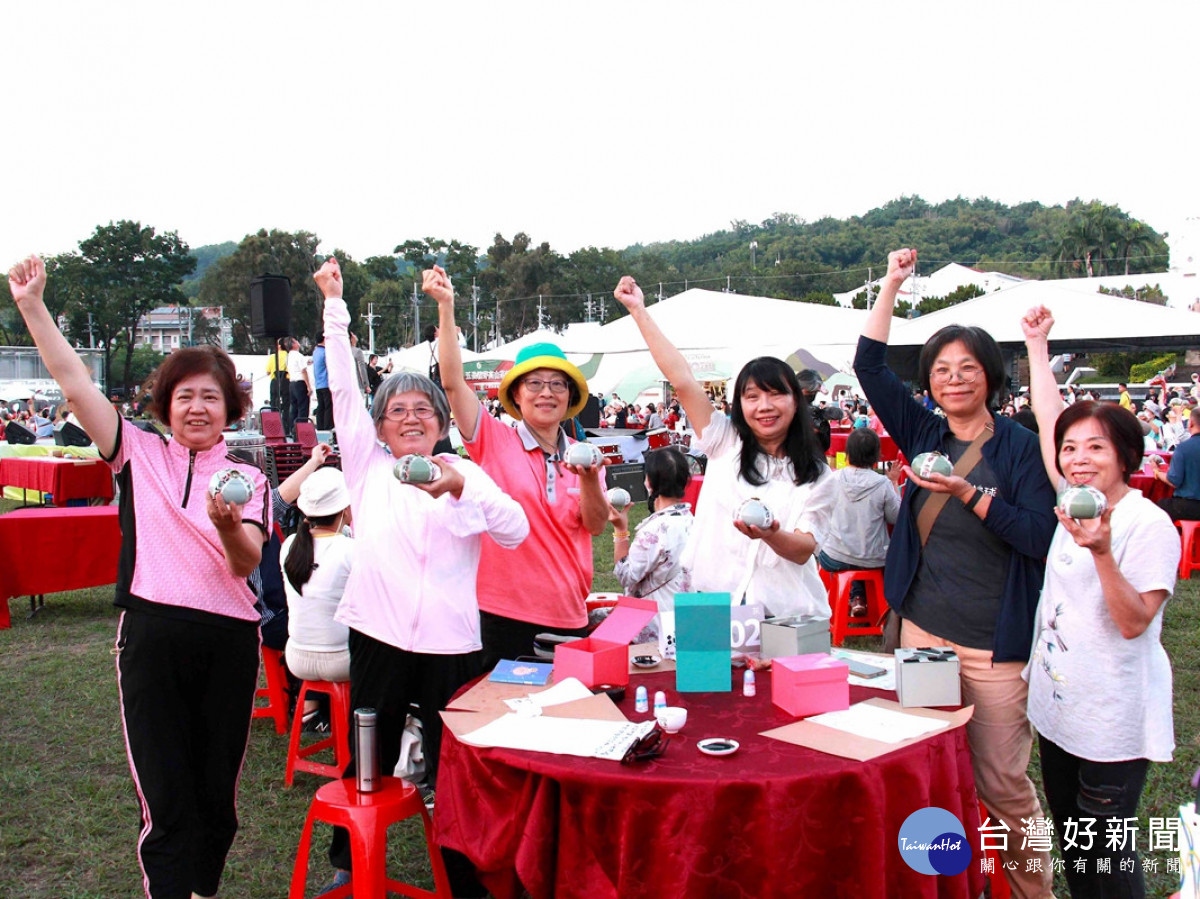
(537, 385)
(968, 374)
(648, 747)
(399, 413)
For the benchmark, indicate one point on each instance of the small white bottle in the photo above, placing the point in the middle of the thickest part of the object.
(748, 686)
(660, 701)
(641, 702)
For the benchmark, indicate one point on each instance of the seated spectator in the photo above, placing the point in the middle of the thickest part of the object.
(317, 561)
(1184, 475)
(651, 565)
(866, 502)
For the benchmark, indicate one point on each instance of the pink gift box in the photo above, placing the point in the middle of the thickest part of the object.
(603, 658)
(810, 684)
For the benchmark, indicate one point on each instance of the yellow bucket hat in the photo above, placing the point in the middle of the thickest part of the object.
(531, 358)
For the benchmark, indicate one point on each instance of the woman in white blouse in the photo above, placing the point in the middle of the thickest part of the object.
(764, 449)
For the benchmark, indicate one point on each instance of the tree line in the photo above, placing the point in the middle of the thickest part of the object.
(517, 285)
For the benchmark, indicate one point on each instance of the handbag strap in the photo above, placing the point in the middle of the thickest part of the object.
(966, 462)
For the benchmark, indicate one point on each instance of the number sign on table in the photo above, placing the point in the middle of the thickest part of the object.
(745, 628)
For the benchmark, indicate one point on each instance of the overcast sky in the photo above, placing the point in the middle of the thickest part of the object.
(579, 123)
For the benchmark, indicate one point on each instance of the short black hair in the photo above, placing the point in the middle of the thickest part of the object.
(979, 343)
(1121, 426)
(862, 448)
(667, 471)
(429, 333)
(1026, 419)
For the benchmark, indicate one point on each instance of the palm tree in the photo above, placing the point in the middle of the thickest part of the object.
(1134, 237)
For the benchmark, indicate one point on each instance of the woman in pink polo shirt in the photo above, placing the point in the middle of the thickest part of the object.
(187, 642)
(542, 585)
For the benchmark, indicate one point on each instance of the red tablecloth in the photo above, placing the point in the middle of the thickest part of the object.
(50, 550)
(65, 478)
(772, 820)
(887, 446)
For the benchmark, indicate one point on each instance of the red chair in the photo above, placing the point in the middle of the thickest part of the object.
(367, 817)
(839, 604)
(275, 692)
(997, 882)
(1187, 558)
(272, 427)
(338, 739)
(306, 436)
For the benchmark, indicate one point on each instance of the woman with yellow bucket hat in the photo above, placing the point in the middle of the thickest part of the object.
(541, 586)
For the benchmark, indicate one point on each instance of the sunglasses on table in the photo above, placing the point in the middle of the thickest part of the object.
(648, 747)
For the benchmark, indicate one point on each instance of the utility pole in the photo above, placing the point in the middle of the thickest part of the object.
(728, 286)
(660, 293)
(370, 317)
(541, 314)
(587, 309)
(474, 316)
(416, 313)
(91, 334)
(870, 297)
(499, 340)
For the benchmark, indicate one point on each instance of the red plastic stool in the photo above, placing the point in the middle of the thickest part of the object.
(275, 692)
(338, 740)
(367, 817)
(839, 604)
(997, 882)
(1187, 558)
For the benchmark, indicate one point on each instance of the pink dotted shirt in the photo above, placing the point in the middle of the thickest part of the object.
(171, 555)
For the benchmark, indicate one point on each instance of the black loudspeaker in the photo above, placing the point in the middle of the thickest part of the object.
(271, 306)
(68, 434)
(17, 433)
(632, 477)
(589, 416)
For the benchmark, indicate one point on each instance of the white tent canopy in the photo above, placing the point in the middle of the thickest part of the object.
(1083, 321)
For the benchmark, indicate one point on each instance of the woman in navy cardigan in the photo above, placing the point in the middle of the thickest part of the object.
(973, 584)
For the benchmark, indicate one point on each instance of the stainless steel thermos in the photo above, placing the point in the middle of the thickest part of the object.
(366, 751)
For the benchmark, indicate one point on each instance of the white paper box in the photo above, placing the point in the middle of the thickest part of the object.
(928, 677)
(795, 636)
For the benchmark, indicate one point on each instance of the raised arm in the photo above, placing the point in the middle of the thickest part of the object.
(1043, 390)
(668, 359)
(463, 402)
(27, 281)
(879, 320)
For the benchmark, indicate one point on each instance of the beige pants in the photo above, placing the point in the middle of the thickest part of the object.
(1000, 738)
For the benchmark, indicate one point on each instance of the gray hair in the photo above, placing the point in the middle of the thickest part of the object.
(404, 382)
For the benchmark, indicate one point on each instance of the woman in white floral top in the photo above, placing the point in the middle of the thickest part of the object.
(650, 567)
(1099, 678)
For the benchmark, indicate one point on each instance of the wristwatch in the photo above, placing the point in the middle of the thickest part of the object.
(974, 500)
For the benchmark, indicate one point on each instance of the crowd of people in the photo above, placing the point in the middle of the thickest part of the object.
(410, 590)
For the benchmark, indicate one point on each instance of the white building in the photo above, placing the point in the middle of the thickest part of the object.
(167, 328)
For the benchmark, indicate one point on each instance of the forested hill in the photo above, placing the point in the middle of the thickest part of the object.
(523, 284)
(832, 255)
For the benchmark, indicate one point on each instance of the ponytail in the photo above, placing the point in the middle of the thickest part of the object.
(299, 564)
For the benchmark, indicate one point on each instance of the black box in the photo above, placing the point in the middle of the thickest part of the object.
(632, 477)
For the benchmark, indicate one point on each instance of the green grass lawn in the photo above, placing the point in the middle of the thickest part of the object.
(69, 818)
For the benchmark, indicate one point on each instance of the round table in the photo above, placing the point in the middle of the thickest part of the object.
(771, 820)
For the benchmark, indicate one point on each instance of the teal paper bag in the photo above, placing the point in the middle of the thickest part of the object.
(702, 643)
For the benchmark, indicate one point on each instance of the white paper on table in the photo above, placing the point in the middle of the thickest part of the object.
(882, 725)
(563, 736)
(884, 681)
(531, 705)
